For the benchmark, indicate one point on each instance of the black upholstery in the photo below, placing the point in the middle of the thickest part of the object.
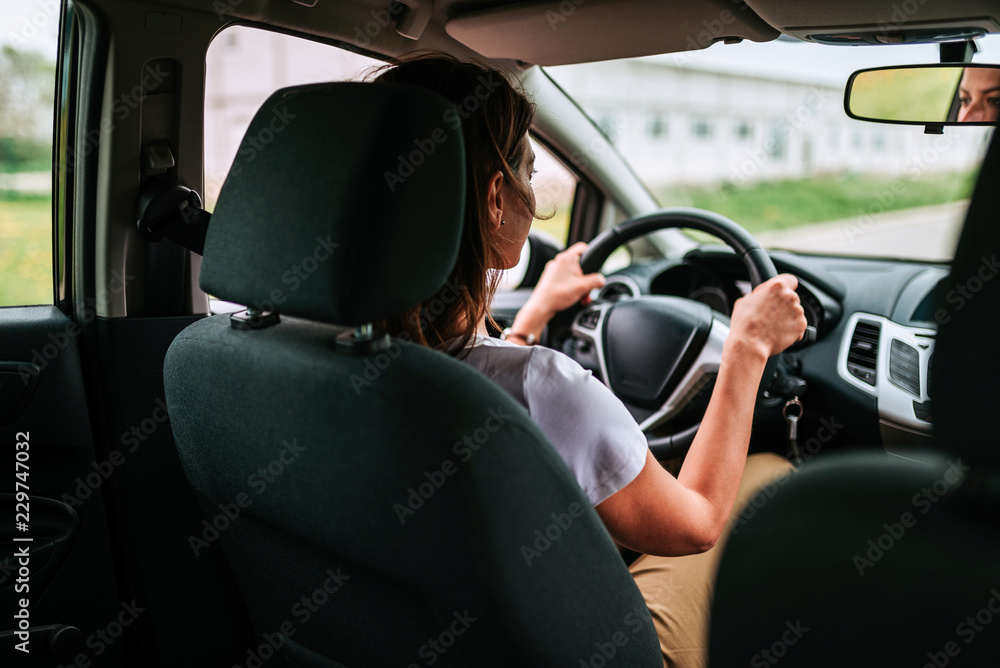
(363, 436)
(885, 561)
(966, 360)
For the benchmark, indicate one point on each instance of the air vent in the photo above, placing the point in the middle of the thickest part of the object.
(924, 411)
(863, 353)
(615, 290)
(904, 367)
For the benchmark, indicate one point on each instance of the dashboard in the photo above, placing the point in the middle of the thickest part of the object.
(868, 369)
(874, 322)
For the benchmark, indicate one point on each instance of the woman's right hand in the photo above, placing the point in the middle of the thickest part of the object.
(771, 317)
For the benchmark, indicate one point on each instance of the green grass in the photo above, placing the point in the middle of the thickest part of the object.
(780, 205)
(41, 164)
(25, 250)
(557, 225)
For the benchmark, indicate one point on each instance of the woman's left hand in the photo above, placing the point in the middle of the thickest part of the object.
(561, 285)
(563, 282)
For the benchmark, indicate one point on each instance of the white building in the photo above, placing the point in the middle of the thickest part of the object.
(676, 124)
(693, 126)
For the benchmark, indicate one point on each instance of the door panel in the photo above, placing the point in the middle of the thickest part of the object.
(69, 579)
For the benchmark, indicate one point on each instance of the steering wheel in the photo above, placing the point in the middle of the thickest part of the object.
(657, 353)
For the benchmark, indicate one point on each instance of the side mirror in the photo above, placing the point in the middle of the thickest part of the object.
(933, 95)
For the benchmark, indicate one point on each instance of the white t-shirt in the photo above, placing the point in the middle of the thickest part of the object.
(588, 425)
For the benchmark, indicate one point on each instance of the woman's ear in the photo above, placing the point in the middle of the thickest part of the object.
(494, 200)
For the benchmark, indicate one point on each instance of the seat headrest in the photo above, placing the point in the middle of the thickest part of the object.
(344, 204)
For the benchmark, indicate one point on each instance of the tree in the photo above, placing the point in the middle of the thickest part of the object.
(27, 93)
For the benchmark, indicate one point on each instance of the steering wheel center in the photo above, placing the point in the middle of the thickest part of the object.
(650, 343)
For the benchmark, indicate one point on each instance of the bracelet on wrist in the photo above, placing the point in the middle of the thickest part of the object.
(529, 339)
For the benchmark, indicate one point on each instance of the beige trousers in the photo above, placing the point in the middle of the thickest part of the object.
(678, 590)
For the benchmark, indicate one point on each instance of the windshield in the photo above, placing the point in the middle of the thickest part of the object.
(758, 133)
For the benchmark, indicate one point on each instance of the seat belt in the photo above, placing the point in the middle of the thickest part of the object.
(168, 210)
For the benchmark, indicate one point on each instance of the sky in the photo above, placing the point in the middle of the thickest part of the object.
(31, 24)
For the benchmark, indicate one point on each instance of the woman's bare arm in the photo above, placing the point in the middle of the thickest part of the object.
(659, 514)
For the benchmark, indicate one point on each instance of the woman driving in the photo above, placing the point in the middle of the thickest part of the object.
(674, 522)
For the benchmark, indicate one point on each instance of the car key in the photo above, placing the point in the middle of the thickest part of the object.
(792, 418)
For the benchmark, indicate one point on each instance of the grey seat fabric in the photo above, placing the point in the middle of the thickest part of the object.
(870, 560)
(389, 507)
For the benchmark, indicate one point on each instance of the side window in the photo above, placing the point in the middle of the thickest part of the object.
(555, 186)
(243, 67)
(28, 44)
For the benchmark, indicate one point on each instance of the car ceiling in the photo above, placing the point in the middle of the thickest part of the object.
(569, 31)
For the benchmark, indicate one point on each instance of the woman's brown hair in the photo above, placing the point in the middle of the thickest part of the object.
(495, 117)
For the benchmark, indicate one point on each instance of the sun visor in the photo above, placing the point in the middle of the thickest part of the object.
(858, 22)
(578, 31)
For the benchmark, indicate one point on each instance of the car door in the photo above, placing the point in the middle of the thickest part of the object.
(57, 575)
(97, 566)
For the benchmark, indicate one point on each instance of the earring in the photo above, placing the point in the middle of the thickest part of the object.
(502, 223)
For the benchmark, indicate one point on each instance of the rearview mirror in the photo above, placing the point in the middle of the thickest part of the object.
(947, 94)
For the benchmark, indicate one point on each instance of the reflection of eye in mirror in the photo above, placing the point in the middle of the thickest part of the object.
(979, 95)
(936, 94)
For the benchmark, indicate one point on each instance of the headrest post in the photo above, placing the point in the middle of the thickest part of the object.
(362, 341)
(253, 318)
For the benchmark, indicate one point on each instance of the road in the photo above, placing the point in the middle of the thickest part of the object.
(925, 233)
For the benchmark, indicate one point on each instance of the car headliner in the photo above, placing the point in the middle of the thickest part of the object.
(572, 31)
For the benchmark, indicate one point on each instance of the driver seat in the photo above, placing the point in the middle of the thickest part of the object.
(380, 503)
